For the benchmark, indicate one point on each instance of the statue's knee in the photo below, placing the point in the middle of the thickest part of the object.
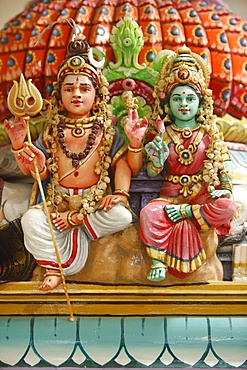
(29, 220)
(122, 215)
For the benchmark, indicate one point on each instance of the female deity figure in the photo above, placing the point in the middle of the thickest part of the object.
(190, 153)
(82, 159)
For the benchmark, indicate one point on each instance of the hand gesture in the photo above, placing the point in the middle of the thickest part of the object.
(135, 128)
(173, 212)
(220, 193)
(17, 131)
(110, 200)
(158, 151)
(27, 155)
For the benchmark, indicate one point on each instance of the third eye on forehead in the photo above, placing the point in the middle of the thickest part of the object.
(75, 80)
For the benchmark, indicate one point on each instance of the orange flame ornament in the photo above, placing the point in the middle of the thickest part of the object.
(24, 99)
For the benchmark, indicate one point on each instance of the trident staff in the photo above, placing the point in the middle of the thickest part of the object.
(25, 100)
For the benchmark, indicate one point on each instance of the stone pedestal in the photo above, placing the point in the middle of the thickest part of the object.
(121, 258)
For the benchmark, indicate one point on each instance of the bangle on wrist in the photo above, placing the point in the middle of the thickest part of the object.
(121, 192)
(155, 169)
(226, 186)
(69, 218)
(40, 173)
(183, 211)
(17, 151)
(134, 150)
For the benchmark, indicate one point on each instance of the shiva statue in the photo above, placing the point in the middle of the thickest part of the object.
(82, 163)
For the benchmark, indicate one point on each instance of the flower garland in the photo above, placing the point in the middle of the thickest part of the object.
(217, 150)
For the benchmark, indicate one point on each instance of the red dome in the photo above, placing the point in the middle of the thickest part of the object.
(208, 27)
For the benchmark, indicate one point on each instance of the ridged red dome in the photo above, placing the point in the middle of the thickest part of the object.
(208, 27)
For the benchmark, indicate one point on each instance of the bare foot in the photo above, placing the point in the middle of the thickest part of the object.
(52, 280)
(158, 271)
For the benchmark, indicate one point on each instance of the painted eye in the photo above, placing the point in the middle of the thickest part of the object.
(127, 42)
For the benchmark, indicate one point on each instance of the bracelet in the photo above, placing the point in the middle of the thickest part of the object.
(225, 185)
(135, 150)
(40, 173)
(17, 151)
(69, 218)
(156, 169)
(182, 210)
(121, 192)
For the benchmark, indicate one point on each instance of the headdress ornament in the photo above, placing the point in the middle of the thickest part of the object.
(79, 60)
(184, 67)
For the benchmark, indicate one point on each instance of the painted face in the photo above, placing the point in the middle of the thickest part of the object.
(78, 95)
(184, 103)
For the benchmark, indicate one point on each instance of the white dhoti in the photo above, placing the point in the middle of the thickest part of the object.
(73, 243)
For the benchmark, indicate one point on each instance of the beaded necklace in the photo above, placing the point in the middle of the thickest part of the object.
(77, 157)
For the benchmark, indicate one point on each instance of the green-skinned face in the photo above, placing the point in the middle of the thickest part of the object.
(184, 104)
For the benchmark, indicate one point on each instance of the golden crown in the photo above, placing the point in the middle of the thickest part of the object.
(184, 67)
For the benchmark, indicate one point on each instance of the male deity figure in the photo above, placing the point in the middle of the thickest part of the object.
(82, 161)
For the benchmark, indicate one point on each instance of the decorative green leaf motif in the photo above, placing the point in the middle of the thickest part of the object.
(127, 41)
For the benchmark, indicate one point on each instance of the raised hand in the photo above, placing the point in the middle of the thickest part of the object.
(158, 151)
(17, 131)
(135, 128)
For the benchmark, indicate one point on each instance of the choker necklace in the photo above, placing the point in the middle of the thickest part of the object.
(78, 126)
(186, 132)
(78, 130)
(77, 157)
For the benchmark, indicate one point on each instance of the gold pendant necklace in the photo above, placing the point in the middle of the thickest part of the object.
(185, 155)
(78, 130)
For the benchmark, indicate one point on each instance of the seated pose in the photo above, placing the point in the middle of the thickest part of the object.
(81, 157)
(191, 155)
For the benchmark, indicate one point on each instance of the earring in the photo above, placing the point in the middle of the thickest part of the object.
(200, 117)
(167, 118)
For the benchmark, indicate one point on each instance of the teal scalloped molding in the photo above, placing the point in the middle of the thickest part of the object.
(130, 342)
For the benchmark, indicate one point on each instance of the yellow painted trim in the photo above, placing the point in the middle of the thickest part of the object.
(217, 299)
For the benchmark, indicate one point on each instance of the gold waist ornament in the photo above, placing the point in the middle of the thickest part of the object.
(185, 180)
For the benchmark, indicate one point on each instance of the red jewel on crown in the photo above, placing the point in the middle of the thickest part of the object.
(183, 74)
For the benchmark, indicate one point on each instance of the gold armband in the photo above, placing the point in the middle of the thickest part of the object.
(121, 192)
(135, 150)
(69, 218)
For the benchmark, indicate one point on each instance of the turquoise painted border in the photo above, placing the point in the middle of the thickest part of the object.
(129, 342)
